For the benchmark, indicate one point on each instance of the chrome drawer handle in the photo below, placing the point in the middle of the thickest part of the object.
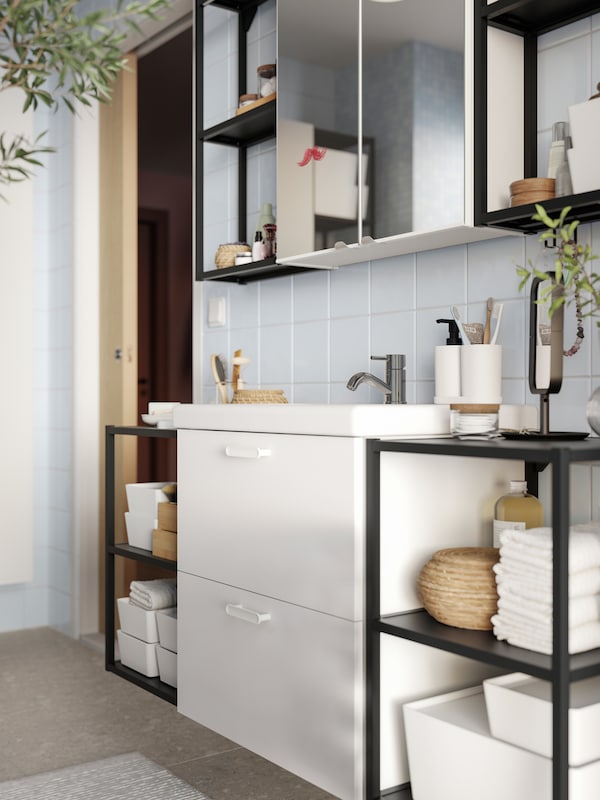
(238, 611)
(247, 452)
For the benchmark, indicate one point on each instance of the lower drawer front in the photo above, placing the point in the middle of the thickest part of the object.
(278, 679)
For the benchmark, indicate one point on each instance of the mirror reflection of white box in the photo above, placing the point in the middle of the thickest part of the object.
(584, 165)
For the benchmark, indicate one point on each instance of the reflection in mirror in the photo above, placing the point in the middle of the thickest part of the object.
(412, 169)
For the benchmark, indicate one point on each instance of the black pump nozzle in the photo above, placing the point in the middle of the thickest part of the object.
(453, 332)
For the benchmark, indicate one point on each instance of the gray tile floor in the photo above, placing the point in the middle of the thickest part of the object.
(58, 707)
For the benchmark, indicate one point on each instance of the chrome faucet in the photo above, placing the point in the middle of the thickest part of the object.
(394, 387)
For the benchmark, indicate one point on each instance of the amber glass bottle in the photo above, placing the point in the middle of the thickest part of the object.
(517, 509)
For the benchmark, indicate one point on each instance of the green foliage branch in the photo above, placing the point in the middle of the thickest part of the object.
(574, 278)
(54, 55)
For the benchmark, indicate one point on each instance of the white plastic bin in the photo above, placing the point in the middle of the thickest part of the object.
(139, 529)
(519, 709)
(143, 498)
(137, 622)
(166, 619)
(452, 755)
(138, 655)
(167, 666)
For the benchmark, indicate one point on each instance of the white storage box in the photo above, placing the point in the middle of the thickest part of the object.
(138, 655)
(137, 621)
(167, 666)
(519, 710)
(143, 498)
(166, 619)
(139, 529)
(452, 755)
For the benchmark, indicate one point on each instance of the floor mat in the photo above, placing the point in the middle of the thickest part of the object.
(127, 777)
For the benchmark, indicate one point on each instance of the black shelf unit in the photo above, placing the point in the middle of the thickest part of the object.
(529, 19)
(241, 132)
(560, 669)
(115, 549)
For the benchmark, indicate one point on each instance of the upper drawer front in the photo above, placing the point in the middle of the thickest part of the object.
(278, 514)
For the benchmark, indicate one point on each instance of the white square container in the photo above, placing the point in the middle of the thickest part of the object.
(167, 666)
(166, 619)
(519, 710)
(143, 498)
(452, 755)
(584, 121)
(137, 622)
(138, 655)
(139, 529)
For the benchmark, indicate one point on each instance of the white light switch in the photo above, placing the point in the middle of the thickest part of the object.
(216, 312)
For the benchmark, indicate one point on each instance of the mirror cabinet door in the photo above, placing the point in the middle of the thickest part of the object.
(317, 124)
(413, 112)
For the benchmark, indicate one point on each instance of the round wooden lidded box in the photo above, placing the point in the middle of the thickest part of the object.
(457, 587)
(531, 190)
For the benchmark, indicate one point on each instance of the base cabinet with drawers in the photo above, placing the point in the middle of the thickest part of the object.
(272, 592)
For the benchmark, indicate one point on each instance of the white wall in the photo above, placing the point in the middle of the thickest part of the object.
(16, 335)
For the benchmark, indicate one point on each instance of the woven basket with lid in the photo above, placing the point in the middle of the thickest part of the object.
(259, 396)
(457, 587)
(225, 255)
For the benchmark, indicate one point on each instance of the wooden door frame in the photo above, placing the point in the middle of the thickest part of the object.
(118, 360)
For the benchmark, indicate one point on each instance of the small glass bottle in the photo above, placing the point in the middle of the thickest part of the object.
(518, 509)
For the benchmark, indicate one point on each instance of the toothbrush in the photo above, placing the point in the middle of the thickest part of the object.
(488, 318)
(497, 315)
(456, 315)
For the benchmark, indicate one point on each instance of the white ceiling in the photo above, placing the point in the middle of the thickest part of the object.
(325, 31)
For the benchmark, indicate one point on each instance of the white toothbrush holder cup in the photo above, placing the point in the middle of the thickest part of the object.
(481, 373)
(475, 413)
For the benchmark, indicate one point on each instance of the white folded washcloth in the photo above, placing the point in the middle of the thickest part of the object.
(581, 584)
(159, 593)
(539, 638)
(534, 546)
(581, 609)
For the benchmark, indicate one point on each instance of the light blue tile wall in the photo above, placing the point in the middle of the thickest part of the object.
(47, 600)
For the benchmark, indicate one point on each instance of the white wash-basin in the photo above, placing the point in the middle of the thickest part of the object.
(367, 420)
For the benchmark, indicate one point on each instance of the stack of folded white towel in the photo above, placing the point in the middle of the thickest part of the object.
(151, 595)
(524, 582)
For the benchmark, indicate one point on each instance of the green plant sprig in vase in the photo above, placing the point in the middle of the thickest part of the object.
(574, 282)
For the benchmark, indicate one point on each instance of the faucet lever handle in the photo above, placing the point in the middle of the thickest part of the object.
(379, 358)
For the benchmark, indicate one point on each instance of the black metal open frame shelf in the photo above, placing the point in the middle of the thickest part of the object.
(529, 19)
(119, 549)
(560, 668)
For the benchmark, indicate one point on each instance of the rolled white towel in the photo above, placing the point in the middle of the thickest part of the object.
(534, 546)
(159, 593)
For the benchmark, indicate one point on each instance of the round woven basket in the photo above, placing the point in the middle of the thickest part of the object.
(259, 396)
(225, 255)
(457, 587)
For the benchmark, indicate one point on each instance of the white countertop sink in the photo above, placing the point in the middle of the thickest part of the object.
(364, 420)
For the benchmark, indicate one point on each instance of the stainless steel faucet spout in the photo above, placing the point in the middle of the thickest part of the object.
(394, 387)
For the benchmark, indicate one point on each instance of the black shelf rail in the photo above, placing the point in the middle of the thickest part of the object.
(560, 668)
(119, 549)
(528, 19)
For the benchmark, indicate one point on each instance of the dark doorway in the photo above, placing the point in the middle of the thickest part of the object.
(164, 239)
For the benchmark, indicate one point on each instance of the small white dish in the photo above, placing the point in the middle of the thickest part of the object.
(158, 420)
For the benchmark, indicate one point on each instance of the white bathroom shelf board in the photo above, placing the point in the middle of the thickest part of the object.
(115, 550)
(401, 244)
(560, 669)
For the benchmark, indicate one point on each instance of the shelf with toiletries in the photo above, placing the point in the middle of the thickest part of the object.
(506, 117)
(417, 626)
(140, 649)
